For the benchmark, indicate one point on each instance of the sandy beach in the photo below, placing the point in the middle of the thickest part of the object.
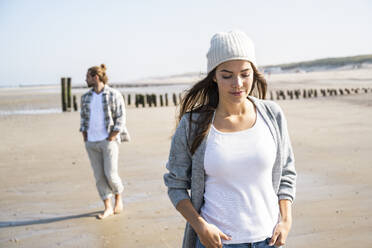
(48, 195)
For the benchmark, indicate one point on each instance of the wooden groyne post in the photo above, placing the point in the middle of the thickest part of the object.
(174, 99)
(68, 94)
(154, 99)
(140, 100)
(75, 103)
(63, 94)
(66, 97)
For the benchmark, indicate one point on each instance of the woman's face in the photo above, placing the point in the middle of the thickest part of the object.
(234, 79)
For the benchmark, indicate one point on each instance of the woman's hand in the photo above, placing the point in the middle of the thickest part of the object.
(280, 233)
(281, 230)
(211, 237)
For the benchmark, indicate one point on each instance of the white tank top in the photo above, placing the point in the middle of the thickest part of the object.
(239, 197)
(97, 128)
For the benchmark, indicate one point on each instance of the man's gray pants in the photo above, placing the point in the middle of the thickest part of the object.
(103, 156)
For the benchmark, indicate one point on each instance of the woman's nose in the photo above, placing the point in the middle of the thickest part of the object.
(237, 82)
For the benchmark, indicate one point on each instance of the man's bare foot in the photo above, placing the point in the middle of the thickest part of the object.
(108, 212)
(118, 207)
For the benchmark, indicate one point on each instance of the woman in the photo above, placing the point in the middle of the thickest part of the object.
(233, 151)
(102, 126)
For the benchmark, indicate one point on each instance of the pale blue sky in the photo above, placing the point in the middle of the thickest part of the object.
(42, 40)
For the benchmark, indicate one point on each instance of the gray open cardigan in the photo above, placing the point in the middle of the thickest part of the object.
(186, 171)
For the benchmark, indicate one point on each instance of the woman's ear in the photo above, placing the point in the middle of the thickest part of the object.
(214, 79)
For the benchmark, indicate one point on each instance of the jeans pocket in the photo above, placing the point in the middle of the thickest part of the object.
(198, 243)
(267, 241)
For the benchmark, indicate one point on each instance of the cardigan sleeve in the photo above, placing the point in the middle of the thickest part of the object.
(287, 185)
(178, 179)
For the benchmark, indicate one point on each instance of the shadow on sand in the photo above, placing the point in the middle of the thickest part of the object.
(4, 224)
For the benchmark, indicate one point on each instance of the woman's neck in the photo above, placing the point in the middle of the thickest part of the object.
(238, 109)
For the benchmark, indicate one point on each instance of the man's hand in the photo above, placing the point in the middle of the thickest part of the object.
(112, 136)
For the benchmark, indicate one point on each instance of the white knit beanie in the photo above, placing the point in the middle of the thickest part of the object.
(230, 46)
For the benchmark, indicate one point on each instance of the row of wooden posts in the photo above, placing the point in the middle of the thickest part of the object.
(152, 100)
(312, 93)
(161, 100)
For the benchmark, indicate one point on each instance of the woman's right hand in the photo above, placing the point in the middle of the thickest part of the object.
(211, 237)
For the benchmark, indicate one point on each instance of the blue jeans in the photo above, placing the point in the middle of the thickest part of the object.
(260, 244)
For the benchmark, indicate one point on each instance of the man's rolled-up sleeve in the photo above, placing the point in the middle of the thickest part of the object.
(120, 114)
(82, 116)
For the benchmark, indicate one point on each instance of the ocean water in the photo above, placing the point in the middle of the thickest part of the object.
(30, 111)
(157, 89)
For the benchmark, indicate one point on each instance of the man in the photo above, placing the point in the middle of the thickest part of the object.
(102, 125)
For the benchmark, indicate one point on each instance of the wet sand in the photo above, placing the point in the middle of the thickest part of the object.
(48, 195)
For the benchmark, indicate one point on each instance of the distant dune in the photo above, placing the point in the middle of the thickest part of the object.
(351, 63)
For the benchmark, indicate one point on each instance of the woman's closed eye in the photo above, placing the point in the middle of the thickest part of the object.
(229, 76)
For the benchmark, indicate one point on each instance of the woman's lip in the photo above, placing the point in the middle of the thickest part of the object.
(238, 93)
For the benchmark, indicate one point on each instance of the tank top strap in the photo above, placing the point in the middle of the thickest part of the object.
(214, 115)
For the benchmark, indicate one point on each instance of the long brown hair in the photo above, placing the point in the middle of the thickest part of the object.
(100, 71)
(203, 99)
